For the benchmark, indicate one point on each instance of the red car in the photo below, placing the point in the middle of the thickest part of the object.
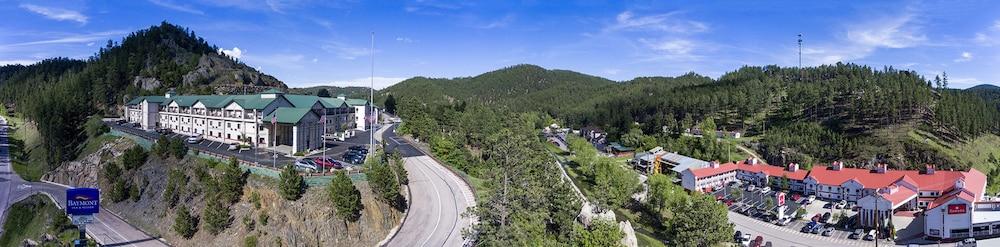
(327, 163)
(757, 242)
(795, 197)
(718, 198)
(817, 217)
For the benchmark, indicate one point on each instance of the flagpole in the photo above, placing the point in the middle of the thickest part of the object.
(371, 102)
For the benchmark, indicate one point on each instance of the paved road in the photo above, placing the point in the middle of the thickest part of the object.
(107, 228)
(784, 237)
(438, 197)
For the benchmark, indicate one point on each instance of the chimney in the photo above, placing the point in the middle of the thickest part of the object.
(752, 161)
(837, 165)
(793, 167)
(714, 164)
(930, 169)
(959, 184)
(880, 168)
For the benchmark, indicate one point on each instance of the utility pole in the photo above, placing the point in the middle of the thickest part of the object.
(800, 50)
(371, 104)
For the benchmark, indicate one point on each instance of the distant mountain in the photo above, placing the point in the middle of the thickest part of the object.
(350, 92)
(521, 87)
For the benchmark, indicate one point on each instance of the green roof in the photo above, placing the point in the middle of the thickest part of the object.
(357, 102)
(272, 90)
(333, 102)
(154, 99)
(288, 115)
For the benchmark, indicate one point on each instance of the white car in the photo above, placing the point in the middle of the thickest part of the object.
(811, 199)
(841, 204)
(785, 221)
(746, 240)
(233, 147)
(764, 190)
(194, 139)
(751, 187)
(306, 164)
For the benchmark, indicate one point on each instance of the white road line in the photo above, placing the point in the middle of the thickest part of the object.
(113, 230)
(438, 194)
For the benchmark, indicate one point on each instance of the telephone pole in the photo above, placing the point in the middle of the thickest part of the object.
(800, 50)
(371, 105)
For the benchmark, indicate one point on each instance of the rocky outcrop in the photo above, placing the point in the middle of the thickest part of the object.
(629, 240)
(146, 83)
(217, 70)
(85, 171)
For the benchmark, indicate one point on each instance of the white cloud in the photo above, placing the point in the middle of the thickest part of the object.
(315, 60)
(612, 71)
(90, 44)
(345, 51)
(964, 57)
(862, 39)
(499, 23)
(282, 61)
(176, 6)
(661, 22)
(234, 53)
(56, 13)
(404, 39)
(17, 61)
(673, 49)
(380, 82)
(72, 38)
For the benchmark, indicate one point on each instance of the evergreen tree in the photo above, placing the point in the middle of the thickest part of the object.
(231, 182)
(345, 197)
(185, 224)
(216, 215)
(702, 222)
(323, 93)
(390, 104)
(601, 233)
(383, 180)
(291, 185)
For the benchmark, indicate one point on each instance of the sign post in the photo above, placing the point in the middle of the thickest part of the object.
(780, 201)
(81, 205)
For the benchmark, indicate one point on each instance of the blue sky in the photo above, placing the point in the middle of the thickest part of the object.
(307, 43)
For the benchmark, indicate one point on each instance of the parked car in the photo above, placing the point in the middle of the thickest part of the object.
(968, 242)
(746, 240)
(856, 234)
(194, 139)
(738, 236)
(785, 221)
(328, 163)
(233, 147)
(164, 131)
(751, 187)
(764, 190)
(811, 199)
(768, 244)
(828, 231)
(816, 229)
(306, 164)
(841, 204)
(120, 121)
(870, 236)
(828, 205)
(817, 217)
(757, 242)
(826, 217)
(796, 197)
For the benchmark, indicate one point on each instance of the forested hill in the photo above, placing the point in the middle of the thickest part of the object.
(332, 91)
(520, 87)
(818, 114)
(58, 94)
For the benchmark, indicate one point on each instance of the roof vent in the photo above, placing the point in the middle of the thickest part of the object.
(959, 184)
(881, 168)
(714, 164)
(169, 93)
(837, 165)
(793, 167)
(930, 169)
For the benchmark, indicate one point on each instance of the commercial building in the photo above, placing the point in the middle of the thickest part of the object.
(286, 123)
(364, 112)
(953, 202)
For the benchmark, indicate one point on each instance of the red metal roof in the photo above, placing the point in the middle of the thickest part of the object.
(710, 171)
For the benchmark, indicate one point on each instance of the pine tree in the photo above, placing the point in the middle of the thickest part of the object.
(231, 182)
(216, 215)
(291, 185)
(390, 104)
(185, 224)
(345, 197)
(323, 93)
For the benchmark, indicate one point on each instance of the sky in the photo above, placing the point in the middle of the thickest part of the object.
(310, 43)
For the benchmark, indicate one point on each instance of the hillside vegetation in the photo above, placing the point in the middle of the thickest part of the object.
(58, 94)
(845, 112)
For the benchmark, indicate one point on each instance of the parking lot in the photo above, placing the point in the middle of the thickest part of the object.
(753, 204)
(263, 157)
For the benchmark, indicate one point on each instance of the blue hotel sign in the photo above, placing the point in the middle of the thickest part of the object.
(83, 201)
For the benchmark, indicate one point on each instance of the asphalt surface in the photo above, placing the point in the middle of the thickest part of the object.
(106, 228)
(438, 199)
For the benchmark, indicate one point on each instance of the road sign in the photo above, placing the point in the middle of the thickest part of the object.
(82, 219)
(83, 201)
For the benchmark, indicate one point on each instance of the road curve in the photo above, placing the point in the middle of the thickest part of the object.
(106, 228)
(438, 199)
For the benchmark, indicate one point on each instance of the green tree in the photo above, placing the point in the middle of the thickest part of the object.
(396, 159)
(231, 181)
(134, 157)
(601, 233)
(345, 197)
(291, 185)
(702, 222)
(216, 215)
(664, 194)
(390, 104)
(119, 190)
(178, 149)
(617, 184)
(162, 147)
(185, 224)
(383, 180)
(322, 92)
(176, 181)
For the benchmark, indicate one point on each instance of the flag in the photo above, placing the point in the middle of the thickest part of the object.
(274, 119)
(322, 119)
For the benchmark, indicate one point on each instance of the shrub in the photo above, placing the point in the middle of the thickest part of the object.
(178, 149)
(134, 157)
(216, 216)
(175, 187)
(291, 185)
(95, 127)
(262, 218)
(112, 172)
(250, 241)
(119, 191)
(345, 197)
(185, 224)
(255, 199)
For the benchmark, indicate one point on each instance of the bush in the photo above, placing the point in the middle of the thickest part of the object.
(178, 149)
(95, 127)
(231, 182)
(112, 172)
(175, 187)
(162, 147)
(262, 218)
(134, 193)
(185, 224)
(216, 216)
(134, 157)
(384, 180)
(119, 191)
(345, 197)
(250, 241)
(291, 185)
(248, 223)
(255, 199)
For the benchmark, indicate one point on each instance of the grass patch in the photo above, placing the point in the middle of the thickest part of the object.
(28, 171)
(93, 144)
(27, 153)
(646, 240)
(34, 216)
